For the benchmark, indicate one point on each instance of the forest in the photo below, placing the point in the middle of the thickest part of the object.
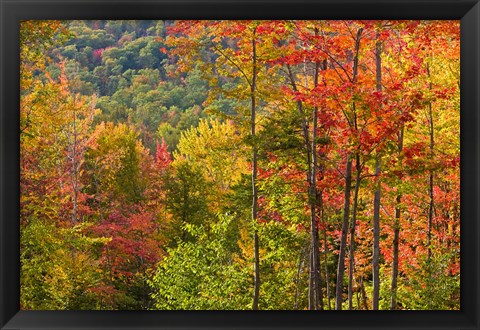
(240, 165)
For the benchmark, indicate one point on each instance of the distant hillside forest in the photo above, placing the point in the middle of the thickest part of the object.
(280, 165)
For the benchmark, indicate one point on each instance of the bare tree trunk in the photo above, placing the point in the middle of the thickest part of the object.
(257, 270)
(431, 203)
(376, 239)
(430, 214)
(73, 157)
(396, 235)
(254, 174)
(376, 200)
(74, 168)
(343, 239)
(325, 263)
(352, 232)
(318, 275)
(314, 200)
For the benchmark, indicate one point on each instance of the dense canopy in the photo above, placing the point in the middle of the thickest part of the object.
(240, 165)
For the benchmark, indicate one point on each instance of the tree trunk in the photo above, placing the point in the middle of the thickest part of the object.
(376, 200)
(325, 263)
(352, 232)
(74, 168)
(396, 236)
(257, 270)
(315, 281)
(431, 204)
(254, 175)
(343, 239)
(318, 275)
(376, 238)
(313, 285)
(301, 259)
(430, 214)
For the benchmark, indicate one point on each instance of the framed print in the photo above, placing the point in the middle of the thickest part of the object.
(239, 164)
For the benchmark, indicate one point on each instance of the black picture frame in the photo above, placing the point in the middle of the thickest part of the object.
(12, 11)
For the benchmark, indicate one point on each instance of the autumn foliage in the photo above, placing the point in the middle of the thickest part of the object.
(240, 164)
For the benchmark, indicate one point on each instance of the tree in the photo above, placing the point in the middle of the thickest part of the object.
(376, 202)
(245, 63)
(202, 274)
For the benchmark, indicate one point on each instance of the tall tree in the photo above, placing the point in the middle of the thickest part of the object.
(348, 183)
(256, 243)
(376, 201)
(396, 235)
(245, 63)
